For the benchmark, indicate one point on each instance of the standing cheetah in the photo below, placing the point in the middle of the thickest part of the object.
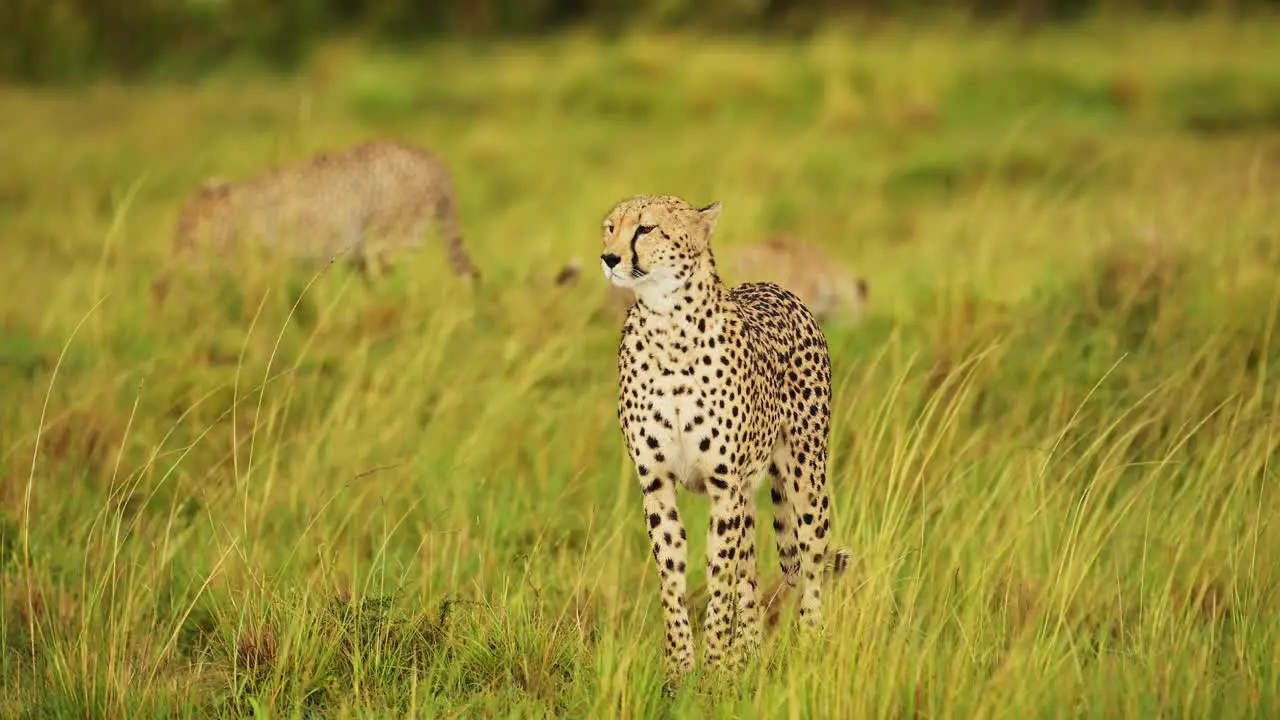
(718, 386)
(361, 202)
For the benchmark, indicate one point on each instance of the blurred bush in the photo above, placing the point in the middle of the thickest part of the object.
(61, 40)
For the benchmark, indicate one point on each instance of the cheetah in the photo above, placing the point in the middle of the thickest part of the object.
(718, 387)
(359, 203)
(832, 293)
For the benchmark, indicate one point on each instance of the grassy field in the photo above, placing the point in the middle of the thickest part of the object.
(1055, 436)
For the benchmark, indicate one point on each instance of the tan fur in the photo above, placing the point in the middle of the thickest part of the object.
(359, 203)
(827, 287)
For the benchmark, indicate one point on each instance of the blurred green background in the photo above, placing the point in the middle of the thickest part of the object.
(66, 39)
(297, 494)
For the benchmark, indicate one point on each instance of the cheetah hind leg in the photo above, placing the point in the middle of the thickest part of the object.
(800, 507)
(784, 526)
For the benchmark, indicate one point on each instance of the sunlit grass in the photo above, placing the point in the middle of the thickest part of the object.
(1054, 438)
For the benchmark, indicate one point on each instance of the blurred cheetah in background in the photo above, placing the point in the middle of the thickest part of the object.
(360, 203)
(716, 388)
(822, 282)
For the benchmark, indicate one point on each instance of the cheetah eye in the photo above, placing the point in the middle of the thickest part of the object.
(644, 229)
(608, 228)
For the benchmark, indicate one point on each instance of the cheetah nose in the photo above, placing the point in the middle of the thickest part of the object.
(610, 260)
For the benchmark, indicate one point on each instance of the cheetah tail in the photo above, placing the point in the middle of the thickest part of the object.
(838, 563)
(570, 273)
(451, 225)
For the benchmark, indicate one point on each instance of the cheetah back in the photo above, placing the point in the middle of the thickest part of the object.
(788, 362)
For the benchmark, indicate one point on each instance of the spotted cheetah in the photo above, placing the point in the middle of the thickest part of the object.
(718, 386)
(359, 202)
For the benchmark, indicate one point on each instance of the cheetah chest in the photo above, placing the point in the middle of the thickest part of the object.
(680, 420)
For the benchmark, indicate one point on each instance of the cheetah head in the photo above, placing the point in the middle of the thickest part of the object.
(653, 243)
(206, 211)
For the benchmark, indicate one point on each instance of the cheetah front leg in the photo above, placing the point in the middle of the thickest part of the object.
(670, 550)
(373, 265)
(749, 628)
(724, 543)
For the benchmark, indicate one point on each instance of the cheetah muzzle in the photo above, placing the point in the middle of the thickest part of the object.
(718, 388)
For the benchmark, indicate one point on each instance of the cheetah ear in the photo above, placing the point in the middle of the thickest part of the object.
(710, 215)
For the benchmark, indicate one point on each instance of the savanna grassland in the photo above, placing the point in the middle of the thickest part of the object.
(1055, 440)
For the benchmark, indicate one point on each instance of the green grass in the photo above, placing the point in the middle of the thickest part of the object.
(1055, 440)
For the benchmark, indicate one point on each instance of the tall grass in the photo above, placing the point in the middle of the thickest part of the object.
(1055, 433)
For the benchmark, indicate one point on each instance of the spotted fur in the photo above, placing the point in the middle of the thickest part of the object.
(828, 289)
(717, 388)
(776, 595)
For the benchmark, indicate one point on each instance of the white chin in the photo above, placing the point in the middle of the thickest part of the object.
(617, 279)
